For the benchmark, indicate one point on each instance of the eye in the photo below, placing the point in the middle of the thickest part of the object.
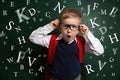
(67, 25)
(74, 26)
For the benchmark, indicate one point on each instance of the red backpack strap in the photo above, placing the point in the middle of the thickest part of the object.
(51, 51)
(81, 43)
(52, 47)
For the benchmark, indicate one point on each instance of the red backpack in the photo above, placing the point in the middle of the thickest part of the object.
(52, 47)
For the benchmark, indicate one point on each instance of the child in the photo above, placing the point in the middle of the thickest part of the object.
(66, 51)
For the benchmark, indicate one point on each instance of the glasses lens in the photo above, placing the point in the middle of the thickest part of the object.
(72, 27)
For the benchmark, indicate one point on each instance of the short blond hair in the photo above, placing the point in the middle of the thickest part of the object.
(68, 13)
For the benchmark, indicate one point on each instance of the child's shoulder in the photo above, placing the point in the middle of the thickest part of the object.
(54, 36)
(80, 38)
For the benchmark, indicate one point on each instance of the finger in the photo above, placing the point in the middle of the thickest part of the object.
(81, 25)
(56, 23)
(84, 27)
(81, 28)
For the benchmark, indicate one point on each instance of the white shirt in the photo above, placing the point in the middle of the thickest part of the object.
(40, 36)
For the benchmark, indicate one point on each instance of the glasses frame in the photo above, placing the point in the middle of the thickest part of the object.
(72, 27)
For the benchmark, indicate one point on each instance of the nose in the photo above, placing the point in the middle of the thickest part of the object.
(68, 30)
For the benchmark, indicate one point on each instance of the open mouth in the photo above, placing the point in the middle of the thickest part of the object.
(68, 36)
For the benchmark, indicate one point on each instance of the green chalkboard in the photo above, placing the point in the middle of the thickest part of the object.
(22, 60)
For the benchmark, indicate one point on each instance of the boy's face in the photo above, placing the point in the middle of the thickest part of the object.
(70, 28)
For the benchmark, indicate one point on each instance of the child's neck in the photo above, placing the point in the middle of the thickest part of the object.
(70, 41)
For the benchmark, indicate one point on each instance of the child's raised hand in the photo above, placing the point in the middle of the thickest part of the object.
(54, 23)
(83, 29)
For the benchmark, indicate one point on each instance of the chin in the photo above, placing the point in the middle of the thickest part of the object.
(68, 40)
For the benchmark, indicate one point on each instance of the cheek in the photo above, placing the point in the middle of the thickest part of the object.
(62, 30)
(75, 33)
(64, 33)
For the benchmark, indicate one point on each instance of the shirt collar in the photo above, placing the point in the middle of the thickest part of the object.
(61, 36)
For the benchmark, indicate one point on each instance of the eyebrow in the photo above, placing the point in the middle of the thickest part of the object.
(69, 24)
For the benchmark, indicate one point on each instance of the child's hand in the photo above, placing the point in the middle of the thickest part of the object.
(55, 23)
(83, 29)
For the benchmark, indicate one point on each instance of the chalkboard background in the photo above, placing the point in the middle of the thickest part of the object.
(22, 60)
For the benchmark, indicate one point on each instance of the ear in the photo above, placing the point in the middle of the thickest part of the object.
(77, 31)
(59, 27)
